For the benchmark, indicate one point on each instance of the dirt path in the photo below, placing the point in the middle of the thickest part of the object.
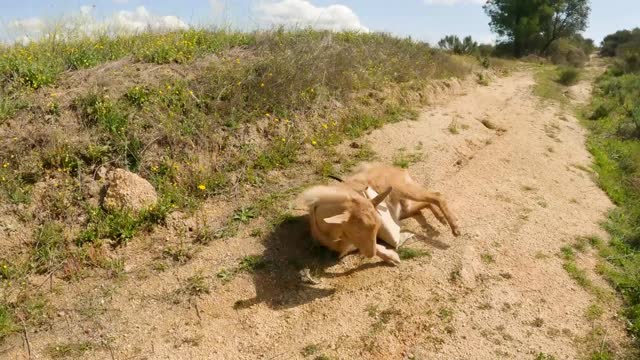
(521, 191)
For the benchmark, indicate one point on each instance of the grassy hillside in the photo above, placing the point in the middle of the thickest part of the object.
(200, 114)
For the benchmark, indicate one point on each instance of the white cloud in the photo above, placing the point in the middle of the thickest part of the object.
(28, 25)
(84, 22)
(302, 13)
(141, 19)
(454, 2)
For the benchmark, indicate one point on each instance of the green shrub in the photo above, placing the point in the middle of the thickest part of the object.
(568, 76)
(563, 52)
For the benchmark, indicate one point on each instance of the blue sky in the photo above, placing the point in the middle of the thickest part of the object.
(422, 19)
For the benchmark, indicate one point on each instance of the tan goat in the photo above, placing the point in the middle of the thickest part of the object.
(407, 198)
(343, 220)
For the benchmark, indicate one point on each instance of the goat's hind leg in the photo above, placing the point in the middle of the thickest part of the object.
(412, 209)
(413, 191)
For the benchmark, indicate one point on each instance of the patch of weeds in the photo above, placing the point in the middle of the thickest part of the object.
(115, 268)
(454, 127)
(528, 188)
(577, 274)
(482, 79)
(50, 247)
(404, 160)
(244, 215)
(487, 258)
(593, 312)
(138, 96)
(407, 253)
(365, 153)
(7, 324)
(74, 350)
(251, 263)
(204, 235)
(581, 245)
(382, 317)
(226, 275)
(567, 253)
(445, 314)
(180, 254)
(543, 356)
(309, 350)
(325, 169)
(196, 285)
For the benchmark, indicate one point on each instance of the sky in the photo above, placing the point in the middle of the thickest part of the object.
(427, 20)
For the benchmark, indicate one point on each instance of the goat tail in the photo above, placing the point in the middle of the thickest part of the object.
(325, 194)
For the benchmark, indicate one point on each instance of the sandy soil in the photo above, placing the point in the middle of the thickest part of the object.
(499, 291)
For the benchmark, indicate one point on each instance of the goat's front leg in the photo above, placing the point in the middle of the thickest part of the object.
(387, 255)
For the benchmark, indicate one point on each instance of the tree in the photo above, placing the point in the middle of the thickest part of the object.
(568, 18)
(453, 43)
(612, 42)
(533, 25)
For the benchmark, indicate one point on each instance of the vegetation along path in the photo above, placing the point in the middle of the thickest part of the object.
(520, 283)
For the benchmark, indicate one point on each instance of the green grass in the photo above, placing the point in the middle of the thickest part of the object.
(407, 253)
(487, 258)
(404, 160)
(7, 323)
(613, 119)
(74, 350)
(547, 86)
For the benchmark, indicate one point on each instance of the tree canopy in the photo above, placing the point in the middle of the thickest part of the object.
(533, 25)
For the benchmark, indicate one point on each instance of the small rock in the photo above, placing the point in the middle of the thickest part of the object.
(128, 191)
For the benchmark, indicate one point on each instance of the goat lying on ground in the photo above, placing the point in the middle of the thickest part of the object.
(344, 220)
(407, 198)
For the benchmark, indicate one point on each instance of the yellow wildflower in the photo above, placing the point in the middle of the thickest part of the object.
(283, 140)
(202, 187)
(261, 84)
(5, 165)
(313, 142)
(325, 126)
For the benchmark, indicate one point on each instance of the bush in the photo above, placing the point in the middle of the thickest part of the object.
(563, 52)
(568, 76)
(611, 42)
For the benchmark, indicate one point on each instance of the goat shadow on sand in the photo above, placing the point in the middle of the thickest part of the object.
(288, 251)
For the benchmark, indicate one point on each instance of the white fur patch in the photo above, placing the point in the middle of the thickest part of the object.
(390, 229)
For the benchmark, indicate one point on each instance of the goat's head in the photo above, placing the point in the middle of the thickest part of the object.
(360, 221)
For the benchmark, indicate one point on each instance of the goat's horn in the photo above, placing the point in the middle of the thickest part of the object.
(380, 198)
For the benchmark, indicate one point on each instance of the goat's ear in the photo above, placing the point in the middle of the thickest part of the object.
(380, 198)
(338, 219)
